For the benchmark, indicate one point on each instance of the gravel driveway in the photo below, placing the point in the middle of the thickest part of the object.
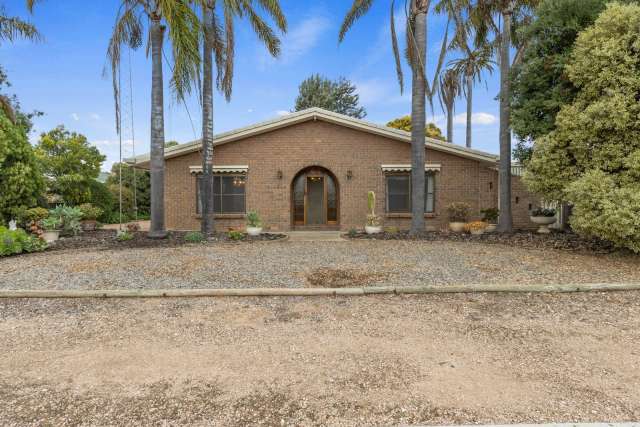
(301, 264)
(376, 360)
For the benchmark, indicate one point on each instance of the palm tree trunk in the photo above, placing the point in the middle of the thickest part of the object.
(157, 229)
(418, 117)
(207, 225)
(450, 121)
(469, 108)
(505, 223)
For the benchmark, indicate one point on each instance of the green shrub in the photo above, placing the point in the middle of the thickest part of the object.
(51, 223)
(546, 212)
(194, 237)
(124, 236)
(90, 212)
(458, 212)
(235, 235)
(352, 232)
(253, 219)
(69, 218)
(17, 241)
(490, 215)
(33, 215)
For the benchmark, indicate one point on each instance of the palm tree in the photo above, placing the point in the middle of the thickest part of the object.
(219, 40)
(511, 14)
(470, 67)
(416, 33)
(11, 29)
(449, 90)
(184, 31)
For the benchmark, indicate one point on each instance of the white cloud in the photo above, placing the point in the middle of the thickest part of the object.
(282, 113)
(75, 116)
(483, 119)
(250, 110)
(299, 40)
(95, 116)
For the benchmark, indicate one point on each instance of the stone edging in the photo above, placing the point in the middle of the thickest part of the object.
(373, 290)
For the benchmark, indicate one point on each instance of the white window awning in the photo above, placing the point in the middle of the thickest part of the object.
(428, 167)
(239, 169)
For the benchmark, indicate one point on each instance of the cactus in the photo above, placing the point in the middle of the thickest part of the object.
(371, 202)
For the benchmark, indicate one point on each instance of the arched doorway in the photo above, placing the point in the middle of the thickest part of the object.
(315, 198)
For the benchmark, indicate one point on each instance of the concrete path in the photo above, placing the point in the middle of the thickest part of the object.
(315, 236)
(144, 225)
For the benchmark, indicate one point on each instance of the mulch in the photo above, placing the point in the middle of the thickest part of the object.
(107, 239)
(567, 241)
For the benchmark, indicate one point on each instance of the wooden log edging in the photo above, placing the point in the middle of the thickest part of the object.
(286, 292)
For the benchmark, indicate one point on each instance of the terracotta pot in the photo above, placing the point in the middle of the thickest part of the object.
(89, 224)
(254, 231)
(373, 229)
(491, 228)
(456, 227)
(543, 222)
(51, 236)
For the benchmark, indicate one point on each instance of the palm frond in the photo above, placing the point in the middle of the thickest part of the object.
(262, 30)
(13, 28)
(358, 9)
(396, 50)
(272, 7)
(443, 53)
(227, 80)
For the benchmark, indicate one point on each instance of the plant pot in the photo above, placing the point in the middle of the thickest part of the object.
(476, 232)
(456, 227)
(89, 224)
(373, 229)
(51, 236)
(254, 231)
(543, 222)
(491, 228)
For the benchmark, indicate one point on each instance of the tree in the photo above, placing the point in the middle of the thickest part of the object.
(131, 179)
(184, 32)
(69, 164)
(416, 34)
(20, 177)
(334, 95)
(219, 41)
(404, 123)
(499, 19)
(448, 91)
(592, 157)
(540, 84)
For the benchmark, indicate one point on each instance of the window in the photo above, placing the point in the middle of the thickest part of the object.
(228, 194)
(399, 193)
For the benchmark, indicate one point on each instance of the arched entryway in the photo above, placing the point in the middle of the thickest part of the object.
(315, 199)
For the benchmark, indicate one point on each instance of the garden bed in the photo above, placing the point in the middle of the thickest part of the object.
(107, 239)
(526, 239)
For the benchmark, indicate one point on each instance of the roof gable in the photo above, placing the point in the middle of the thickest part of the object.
(324, 115)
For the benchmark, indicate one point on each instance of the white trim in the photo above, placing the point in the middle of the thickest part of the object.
(428, 167)
(324, 115)
(242, 169)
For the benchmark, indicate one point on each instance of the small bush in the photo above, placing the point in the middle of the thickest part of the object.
(69, 217)
(18, 241)
(475, 226)
(51, 223)
(194, 237)
(33, 215)
(490, 215)
(352, 232)
(90, 212)
(373, 220)
(124, 236)
(235, 235)
(458, 212)
(543, 212)
(253, 219)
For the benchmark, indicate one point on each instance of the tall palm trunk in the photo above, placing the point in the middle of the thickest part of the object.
(469, 107)
(450, 121)
(505, 223)
(157, 228)
(207, 225)
(418, 117)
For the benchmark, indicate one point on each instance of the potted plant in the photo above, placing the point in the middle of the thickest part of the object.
(254, 224)
(458, 213)
(475, 227)
(373, 225)
(90, 215)
(51, 227)
(69, 218)
(490, 216)
(543, 217)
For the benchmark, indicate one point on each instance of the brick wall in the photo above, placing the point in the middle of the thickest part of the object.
(338, 149)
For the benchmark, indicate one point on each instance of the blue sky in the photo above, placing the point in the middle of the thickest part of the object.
(63, 75)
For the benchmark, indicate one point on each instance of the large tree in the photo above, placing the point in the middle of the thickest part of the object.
(404, 123)
(540, 85)
(493, 22)
(416, 35)
(219, 43)
(69, 164)
(135, 182)
(592, 157)
(338, 95)
(448, 91)
(183, 25)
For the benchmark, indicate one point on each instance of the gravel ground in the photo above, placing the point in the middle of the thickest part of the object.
(379, 360)
(310, 264)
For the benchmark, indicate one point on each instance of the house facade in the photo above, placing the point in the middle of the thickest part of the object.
(313, 170)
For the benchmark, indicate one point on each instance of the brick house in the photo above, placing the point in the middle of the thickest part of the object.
(312, 170)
